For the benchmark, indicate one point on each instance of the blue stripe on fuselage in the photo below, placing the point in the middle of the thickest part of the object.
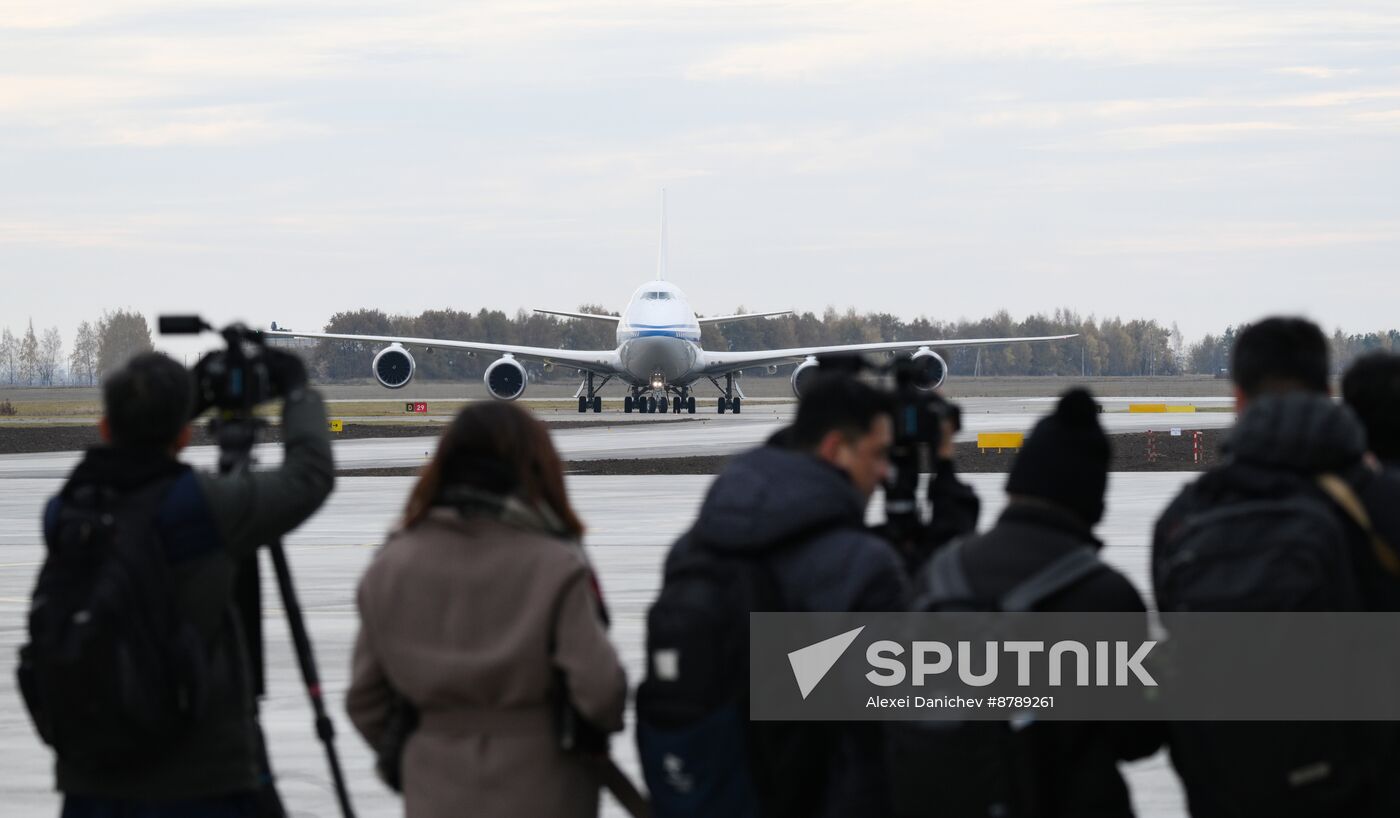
(659, 333)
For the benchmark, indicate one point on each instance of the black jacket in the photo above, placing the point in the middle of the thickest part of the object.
(1076, 764)
(1277, 440)
(1282, 437)
(208, 524)
(770, 496)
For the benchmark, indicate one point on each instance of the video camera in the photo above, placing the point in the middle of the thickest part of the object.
(919, 414)
(233, 380)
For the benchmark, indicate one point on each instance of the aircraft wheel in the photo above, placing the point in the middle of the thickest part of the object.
(597, 404)
(721, 405)
(651, 405)
(676, 405)
(627, 404)
(690, 404)
(734, 405)
(582, 404)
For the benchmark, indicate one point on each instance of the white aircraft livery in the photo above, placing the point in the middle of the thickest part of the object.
(658, 354)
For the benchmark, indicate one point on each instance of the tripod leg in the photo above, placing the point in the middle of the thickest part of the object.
(325, 730)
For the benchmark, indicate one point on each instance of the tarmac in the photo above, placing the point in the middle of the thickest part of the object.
(631, 521)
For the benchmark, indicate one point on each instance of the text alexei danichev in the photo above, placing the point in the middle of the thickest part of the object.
(960, 702)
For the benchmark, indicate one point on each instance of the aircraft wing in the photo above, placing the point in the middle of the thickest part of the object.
(602, 361)
(743, 316)
(718, 363)
(594, 316)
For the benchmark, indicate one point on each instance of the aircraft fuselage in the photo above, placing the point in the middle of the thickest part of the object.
(658, 338)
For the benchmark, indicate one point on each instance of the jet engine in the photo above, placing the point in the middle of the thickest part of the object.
(802, 375)
(932, 369)
(393, 367)
(505, 379)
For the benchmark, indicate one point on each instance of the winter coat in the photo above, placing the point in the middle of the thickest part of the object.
(1076, 764)
(825, 561)
(481, 624)
(209, 524)
(1277, 440)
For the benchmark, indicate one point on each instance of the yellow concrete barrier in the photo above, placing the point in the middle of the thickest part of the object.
(1000, 440)
(337, 426)
(1181, 408)
(1147, 407)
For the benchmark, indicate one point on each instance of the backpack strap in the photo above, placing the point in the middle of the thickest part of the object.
(1341, 493)
(1050, 580)
(945, 580)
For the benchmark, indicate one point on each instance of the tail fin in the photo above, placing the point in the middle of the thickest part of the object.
(661, 254)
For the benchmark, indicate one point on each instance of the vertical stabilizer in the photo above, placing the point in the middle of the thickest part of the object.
(661, 254)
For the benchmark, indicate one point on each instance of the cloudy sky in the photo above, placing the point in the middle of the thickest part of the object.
(1203, 162)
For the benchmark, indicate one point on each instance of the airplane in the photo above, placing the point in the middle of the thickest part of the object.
(658, 354)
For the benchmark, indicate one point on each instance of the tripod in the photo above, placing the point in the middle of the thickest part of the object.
(236, 433)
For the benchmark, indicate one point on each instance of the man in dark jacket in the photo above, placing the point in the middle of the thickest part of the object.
(1371, 387)
(1289, 433)
(1055, 497)
(804, 497)
(207, 525)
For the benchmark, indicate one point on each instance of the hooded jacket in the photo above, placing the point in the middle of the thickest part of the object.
(811, 517)
(1278, 440)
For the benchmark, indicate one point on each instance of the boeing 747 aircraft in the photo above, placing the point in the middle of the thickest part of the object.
(658, 354)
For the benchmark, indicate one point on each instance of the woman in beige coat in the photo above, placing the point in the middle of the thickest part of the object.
(481, 611)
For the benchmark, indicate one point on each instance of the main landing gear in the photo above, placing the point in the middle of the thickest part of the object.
(728, 401)
(588, 397)
(659, 403)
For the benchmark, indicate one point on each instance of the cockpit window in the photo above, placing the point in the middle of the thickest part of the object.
(656, 295)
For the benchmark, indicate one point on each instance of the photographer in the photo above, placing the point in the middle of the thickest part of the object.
(137, 670)
(1043, 553)
(788, 517)
(955, 506)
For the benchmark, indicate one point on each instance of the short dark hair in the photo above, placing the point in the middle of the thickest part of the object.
(147, 401)
(1280, 355)
(836, 402)
(1371, 387)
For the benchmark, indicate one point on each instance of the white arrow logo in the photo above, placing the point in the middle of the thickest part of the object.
(811, 663)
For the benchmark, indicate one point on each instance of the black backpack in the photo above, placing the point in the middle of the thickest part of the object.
(1285, 552)
(111, 674)
(700, 754)
(973, 769)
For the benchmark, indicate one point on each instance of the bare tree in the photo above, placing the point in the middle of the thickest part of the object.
(83, 362)
(121, 335)
(29, 355)
(9, 355)
(50, 355)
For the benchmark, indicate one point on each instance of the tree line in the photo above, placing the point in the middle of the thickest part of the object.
(1110, 346)
(98, 347)
(1104, 347)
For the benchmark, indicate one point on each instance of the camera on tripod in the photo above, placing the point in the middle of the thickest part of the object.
(920, 415)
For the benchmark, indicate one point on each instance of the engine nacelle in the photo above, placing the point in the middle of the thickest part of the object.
(393, 367)
(505, 379)
(932, 369)
(802, 375)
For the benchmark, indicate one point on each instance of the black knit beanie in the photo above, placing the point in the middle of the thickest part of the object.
(1065, 459)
